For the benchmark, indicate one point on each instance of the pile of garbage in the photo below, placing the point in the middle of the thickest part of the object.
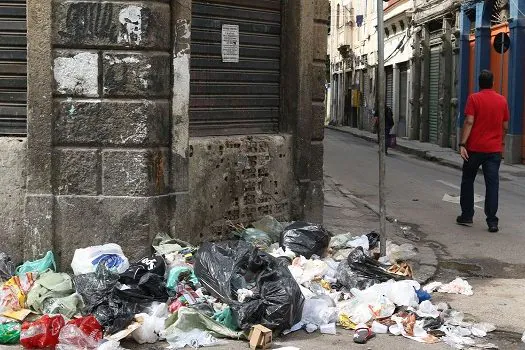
(274, 278)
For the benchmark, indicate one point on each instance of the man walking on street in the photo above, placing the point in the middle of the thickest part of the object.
(485, 126)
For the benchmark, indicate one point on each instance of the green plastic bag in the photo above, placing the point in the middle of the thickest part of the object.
(174, 274)
(10, 333)
(41, 265)
(225, 317)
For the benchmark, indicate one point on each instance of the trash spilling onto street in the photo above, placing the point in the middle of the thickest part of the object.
(272, 280)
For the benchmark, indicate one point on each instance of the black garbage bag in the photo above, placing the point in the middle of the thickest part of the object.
(7, 267)
(149, 288)
(98, 292)
(144, 282)
(360, 271)
(224, 268)
(306, 239)
(373, 240)
(150, 264)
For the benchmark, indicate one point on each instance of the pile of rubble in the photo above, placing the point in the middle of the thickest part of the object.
(274, 278)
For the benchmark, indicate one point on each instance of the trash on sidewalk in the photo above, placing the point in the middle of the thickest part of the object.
(457, 286)
(260, 337)
(276, 279)
(361, 271)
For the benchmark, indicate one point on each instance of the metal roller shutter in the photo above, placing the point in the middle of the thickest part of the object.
(235, 98)
(433, 93)
(389, 86)
(13, 68)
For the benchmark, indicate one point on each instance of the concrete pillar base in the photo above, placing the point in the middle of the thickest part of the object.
(513, 149)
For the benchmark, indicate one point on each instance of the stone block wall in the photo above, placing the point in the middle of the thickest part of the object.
(12, 195)
(109, 158)
(109, 139)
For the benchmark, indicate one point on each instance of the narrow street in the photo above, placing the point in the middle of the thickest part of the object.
(415, 192)
(493, 263)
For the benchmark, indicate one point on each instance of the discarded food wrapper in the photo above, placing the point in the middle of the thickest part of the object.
(19, 315)
(13, 293)
(43, 333)
(260, 337)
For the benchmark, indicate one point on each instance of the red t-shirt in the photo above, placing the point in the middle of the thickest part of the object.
(489, 110)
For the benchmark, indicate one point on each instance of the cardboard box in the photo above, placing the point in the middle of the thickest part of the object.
(260, 337)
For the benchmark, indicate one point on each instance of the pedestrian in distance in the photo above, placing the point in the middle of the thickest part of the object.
(389, 124)
(484, 129)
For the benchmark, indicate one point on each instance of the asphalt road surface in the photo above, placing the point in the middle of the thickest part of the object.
(416, 190)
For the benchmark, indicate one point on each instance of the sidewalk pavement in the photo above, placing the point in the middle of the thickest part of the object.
(432, 152)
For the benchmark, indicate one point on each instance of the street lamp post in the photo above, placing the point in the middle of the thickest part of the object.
(382, 139)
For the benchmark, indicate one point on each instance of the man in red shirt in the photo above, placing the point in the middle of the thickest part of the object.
(486, 122)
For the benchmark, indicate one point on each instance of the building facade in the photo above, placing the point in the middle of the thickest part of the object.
(123, 120)
(434, 51)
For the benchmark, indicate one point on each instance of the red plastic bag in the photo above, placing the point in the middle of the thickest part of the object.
(43, 333)
(89, 326)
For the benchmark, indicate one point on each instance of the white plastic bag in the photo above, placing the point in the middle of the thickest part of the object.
(152, 326)
(87, 259)
(73, 338)
(401, 252)
(366, 305)
(361, 241)
(401, 293)
(319, 311)
(426, 309)
(457, 286)
(194, 338)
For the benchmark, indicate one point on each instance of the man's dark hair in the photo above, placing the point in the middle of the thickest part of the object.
(486, 79)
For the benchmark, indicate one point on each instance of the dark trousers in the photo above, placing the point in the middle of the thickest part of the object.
(490, 163)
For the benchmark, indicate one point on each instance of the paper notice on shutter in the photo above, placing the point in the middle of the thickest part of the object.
(230, 43)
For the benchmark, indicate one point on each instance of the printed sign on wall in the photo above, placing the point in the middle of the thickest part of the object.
(230, 43)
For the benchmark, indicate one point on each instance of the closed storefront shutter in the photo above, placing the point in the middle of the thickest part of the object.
(13, 80)
(389, 86)
(433, 93)
(235, 98)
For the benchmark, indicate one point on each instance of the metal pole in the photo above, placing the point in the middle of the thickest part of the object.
(381, 105)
